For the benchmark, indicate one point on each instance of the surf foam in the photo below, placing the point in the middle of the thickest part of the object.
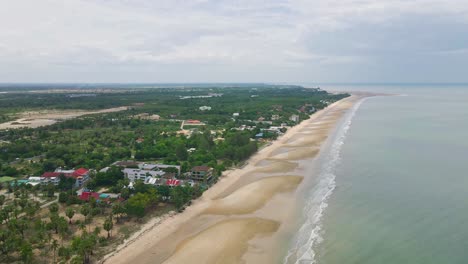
(309, 234)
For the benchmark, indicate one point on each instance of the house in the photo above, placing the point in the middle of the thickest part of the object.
(85, 196)
(275, 117)
(33, 180)
(173, 182)
(193, 122)
(153, 181)
(261, 119)
(205, 108)
(294, 118)
(81, 176)
(140, 140)
(201, 173)
(51, 177)
(99, 197)
(191, 150)
(259, 135)
(235, 115)
(147, 116)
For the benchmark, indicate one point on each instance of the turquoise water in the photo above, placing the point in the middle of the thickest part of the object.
(400, 190)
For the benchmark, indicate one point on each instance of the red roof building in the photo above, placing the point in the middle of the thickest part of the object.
(191, 121)
(81, 175)
(85, 196)
(172, 182)
(80, 172)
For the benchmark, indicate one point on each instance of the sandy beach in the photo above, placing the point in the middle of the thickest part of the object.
(48, 117)
(247, 215)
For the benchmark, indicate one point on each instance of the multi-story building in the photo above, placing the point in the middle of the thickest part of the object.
(201, 173)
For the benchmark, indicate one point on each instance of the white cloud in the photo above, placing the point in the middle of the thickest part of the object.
(269, 36)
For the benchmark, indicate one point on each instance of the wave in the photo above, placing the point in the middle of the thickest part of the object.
(309, 234)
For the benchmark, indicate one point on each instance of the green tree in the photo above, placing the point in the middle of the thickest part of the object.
(54, 247)
(137, 204)
(64, 253)
(69, 212)
(85, 210)
(63, 197)
(84, 245)
(108, 225)
(66, 183)
(181, 195)
(53, 208)
(26, 252)
(181, 152)
(118, 210)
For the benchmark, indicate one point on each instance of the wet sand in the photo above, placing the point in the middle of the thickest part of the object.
(249, 213)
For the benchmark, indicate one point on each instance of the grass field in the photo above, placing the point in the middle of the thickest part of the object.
(6, 179)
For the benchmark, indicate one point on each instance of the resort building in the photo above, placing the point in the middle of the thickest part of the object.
(143, 171)
(201, 173)
(294, 118)
(139, 174)
(80, 175)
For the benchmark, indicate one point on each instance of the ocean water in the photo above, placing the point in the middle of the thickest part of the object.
(393, 182)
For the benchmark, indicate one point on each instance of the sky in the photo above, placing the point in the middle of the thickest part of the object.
(290, 41)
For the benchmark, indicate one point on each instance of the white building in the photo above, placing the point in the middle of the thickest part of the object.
(235, 115)
(138, 174)
(33, 180)
(294, 118)
(205, 108)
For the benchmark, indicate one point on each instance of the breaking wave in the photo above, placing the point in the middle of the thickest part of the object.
(308, 236)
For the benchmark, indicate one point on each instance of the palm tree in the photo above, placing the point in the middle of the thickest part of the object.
(54, 247)
(118, 210)
(85, 211)
(108, 225)
(53, 208)
(70, 213)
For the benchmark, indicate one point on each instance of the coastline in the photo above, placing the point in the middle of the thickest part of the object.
(240, 202)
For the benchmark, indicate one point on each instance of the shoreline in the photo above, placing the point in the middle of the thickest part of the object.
(247, 193)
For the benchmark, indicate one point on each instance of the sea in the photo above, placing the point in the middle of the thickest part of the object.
(391, 184)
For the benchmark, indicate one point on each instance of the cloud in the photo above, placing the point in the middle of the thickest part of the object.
(209, 40)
